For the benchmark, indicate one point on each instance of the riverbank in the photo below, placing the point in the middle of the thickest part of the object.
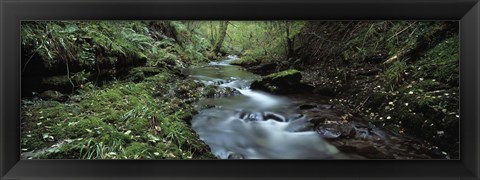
(121, 120)
(110, 90)
(406, 84)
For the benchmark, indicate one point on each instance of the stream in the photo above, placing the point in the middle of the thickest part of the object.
(257, 125)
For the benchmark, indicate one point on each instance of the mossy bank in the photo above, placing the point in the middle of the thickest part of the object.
(110, 90)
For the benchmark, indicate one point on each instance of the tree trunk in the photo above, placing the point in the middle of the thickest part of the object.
(289, 40)
(222, 32)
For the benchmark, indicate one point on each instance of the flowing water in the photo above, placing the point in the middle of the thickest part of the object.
(258, 125)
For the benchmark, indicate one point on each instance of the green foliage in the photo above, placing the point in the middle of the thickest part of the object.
(82, 42)
(258, 39)
(382, 38)
(442, 62)
(123, 120)
(193, 42)
(92, 43)
(393, 76)
(138, 150)
(138, 125)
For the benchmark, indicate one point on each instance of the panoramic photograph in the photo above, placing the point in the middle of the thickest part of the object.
(206, 90)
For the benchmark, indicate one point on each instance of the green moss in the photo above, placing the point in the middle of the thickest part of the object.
(169, 58)
(139, 125)
(393, 76)
(160, 78)
(86, 127)
(170, 151)
(114, 117)
(42, 122)
(112, 95)
(184, 115)
(245, 61)
(442, 62)
(138, 150)
(281, 74)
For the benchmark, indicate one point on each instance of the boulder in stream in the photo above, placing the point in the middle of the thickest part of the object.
(284, 82)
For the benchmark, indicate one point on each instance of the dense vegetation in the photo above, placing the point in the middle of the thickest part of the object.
(115, 89)
(124, 90)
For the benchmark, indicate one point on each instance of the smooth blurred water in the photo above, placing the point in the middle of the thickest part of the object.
(254, 124)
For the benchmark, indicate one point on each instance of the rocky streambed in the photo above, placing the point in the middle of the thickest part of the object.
(289, 123)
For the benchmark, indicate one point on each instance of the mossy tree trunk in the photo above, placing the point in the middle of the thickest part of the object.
(288, 39)
(222, 32)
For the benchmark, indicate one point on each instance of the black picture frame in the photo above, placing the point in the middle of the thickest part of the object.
(467, 12)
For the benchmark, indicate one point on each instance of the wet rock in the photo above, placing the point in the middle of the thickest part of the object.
(264, 69)
(370, 151)
(147, 71)
(273, 116)
(326, 106)
(60, 83)
(317, 121)
(325, 91)
(285, 82)
(53, 95)
(336, 130)
(212, 91)
(259, 116)
(136, 77)
(343, 148)
(246, 61)
(249, 116)
(209, 91)
(300, 125)
(138, 74)
(307, 106)
(235, 156)
(294, 117)
(329, 133)
(367, 149)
